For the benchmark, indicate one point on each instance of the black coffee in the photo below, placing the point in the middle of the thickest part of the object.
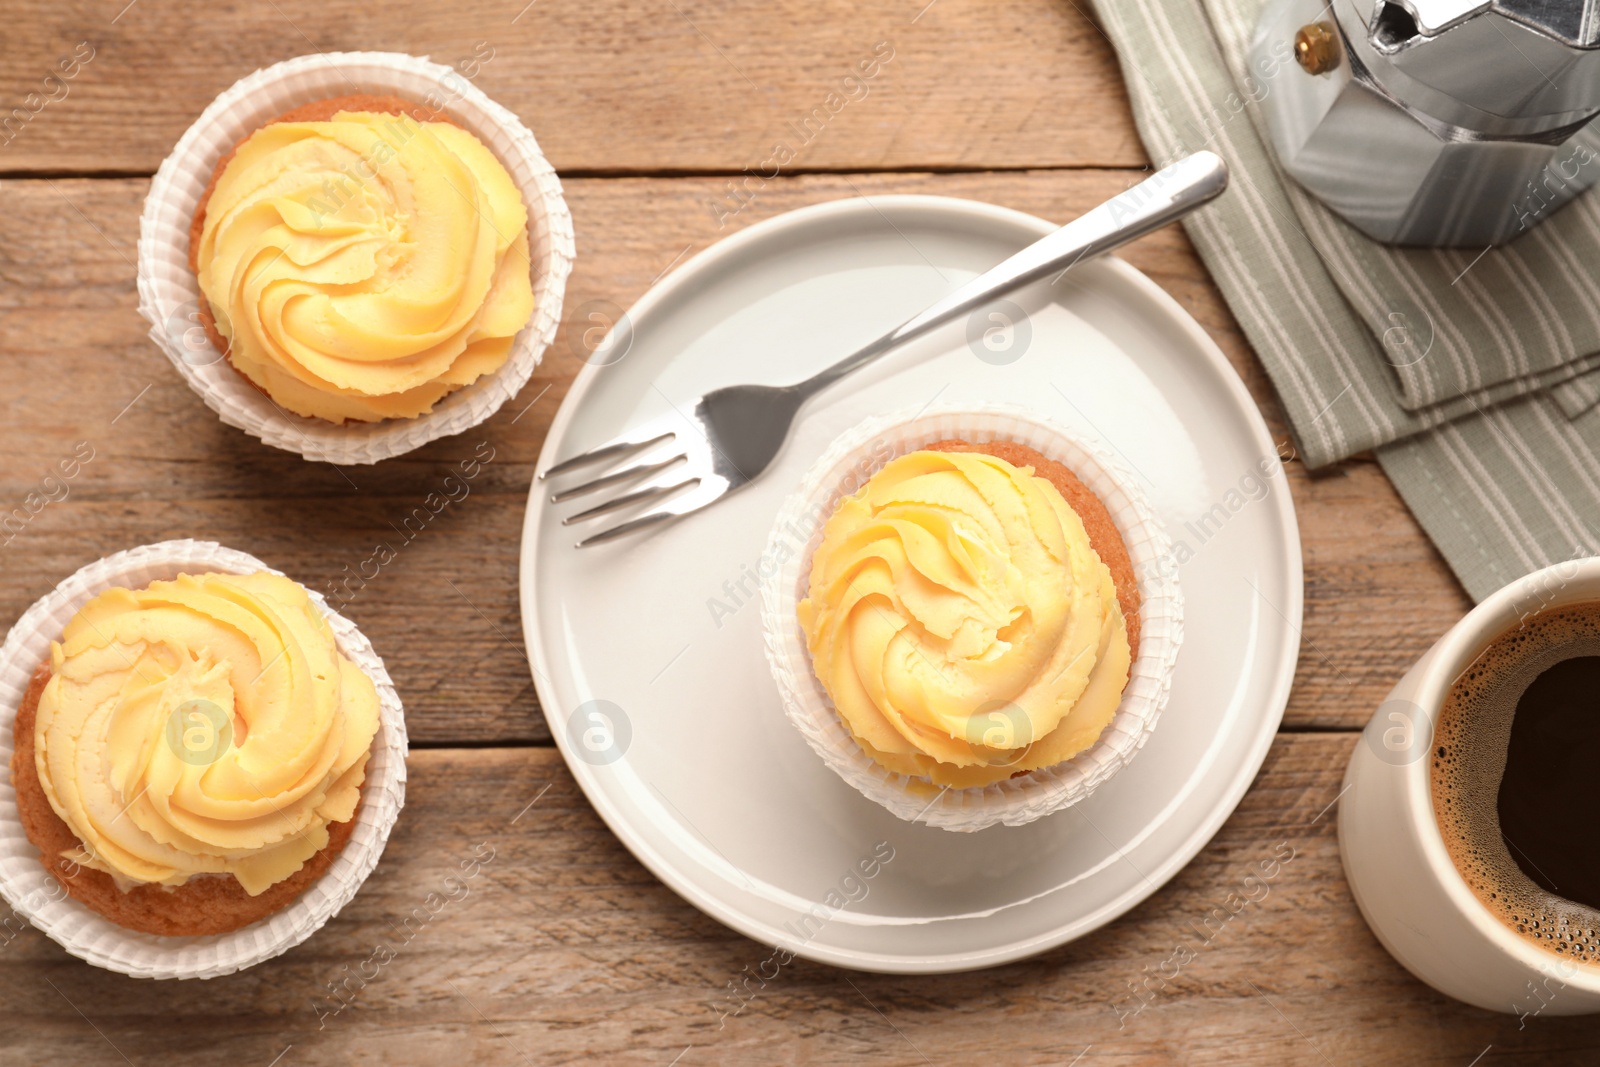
(1515, 788)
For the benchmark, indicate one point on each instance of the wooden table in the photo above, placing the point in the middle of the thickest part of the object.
(566, 949)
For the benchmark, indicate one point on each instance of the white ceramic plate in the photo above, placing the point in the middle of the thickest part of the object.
(661, 699)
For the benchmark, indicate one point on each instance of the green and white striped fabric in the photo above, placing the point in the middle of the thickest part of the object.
(1475, 374)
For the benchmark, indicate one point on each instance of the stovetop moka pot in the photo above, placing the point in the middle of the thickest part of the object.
(1434, 122)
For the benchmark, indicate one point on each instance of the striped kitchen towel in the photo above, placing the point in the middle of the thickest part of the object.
(1474, 373)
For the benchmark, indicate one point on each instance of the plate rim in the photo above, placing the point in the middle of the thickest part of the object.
(1282, 681)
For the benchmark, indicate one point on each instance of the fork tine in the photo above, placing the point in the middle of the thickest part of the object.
(628, 527)
(625, 475)
(595, 455)
(637, 497)
(708, 492)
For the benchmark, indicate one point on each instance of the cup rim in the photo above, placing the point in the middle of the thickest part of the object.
(1568, 582)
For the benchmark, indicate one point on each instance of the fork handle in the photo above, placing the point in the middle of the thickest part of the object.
(1166, 196)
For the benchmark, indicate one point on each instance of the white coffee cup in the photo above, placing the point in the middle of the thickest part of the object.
(1400, 873)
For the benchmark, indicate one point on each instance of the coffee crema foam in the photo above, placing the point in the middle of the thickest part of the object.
(1471, 743)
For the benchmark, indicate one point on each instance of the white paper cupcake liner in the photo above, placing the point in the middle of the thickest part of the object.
(33, 893)
(169, 296)
(842, 470)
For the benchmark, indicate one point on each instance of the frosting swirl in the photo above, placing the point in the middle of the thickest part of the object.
(207, 725)
(364, 268)
(961, 622)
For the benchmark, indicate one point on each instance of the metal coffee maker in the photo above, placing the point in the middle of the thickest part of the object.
(1434, 122)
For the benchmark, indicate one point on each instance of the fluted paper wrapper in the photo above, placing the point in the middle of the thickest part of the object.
(169, 295)
(34, 894)
(844, 469)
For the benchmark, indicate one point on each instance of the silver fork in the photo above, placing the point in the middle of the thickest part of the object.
(728, 437)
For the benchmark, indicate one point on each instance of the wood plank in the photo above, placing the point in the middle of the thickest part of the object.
(612, 86)
(445, 613)
(565, 950)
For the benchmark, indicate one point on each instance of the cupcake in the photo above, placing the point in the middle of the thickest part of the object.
(360, 258)
(204, 759)
(978, 628)
(350, 255)
(963, 617)
(191, 757)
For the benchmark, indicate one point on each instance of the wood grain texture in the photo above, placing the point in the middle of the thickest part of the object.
(612, 86)
(444, 614)
(564, 949)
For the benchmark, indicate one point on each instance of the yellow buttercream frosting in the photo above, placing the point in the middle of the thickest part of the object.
(962, 623)
(207, 725)
(365, 267)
